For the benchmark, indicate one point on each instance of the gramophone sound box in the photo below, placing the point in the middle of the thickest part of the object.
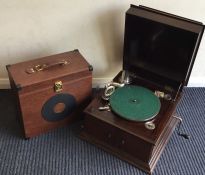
(50, 91)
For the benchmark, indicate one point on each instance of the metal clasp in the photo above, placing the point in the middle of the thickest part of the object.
(58, 86)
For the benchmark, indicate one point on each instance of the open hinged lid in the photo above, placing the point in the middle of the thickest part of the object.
(160, 47)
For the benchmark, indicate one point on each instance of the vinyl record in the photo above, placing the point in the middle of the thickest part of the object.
(135, 103)
(59, 107)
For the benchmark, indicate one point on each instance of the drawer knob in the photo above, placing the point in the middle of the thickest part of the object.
(82, 126)
(123, 142)
(109, 135)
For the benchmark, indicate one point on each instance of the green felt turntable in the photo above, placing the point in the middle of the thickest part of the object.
(135, 103)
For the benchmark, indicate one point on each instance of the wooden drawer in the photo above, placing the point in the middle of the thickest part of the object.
(118, 138)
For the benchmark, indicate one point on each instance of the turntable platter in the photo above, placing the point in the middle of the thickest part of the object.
(135, 103)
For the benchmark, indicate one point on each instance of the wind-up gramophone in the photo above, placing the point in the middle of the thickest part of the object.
(134, 117)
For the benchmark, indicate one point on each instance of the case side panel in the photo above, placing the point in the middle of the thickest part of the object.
(194, 56)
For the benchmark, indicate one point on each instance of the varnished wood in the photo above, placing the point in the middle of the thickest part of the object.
(130, 141)
(77, 65)
(153, 56)
(132, 158)
(141, 147)
(36, 89)
(141, 27)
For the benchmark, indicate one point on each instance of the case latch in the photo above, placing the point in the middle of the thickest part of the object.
(58, 86)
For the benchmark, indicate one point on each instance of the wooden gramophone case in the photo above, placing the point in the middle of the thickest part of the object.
(159, 53)
(51, 91)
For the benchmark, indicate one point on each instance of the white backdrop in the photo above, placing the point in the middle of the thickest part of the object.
(36, 28)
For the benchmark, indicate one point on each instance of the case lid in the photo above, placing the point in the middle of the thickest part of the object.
(55, 66)
(160, 47)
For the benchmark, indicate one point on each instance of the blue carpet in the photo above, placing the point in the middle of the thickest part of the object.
(61, 152)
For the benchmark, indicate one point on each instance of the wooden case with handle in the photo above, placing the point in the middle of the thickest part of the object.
(50, 91)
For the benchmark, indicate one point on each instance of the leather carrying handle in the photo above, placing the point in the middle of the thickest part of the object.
(42, 67)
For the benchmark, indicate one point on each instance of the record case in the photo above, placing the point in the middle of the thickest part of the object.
(159, 53)
(50, 92)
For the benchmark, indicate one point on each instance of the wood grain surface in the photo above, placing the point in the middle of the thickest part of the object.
(32, 91)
